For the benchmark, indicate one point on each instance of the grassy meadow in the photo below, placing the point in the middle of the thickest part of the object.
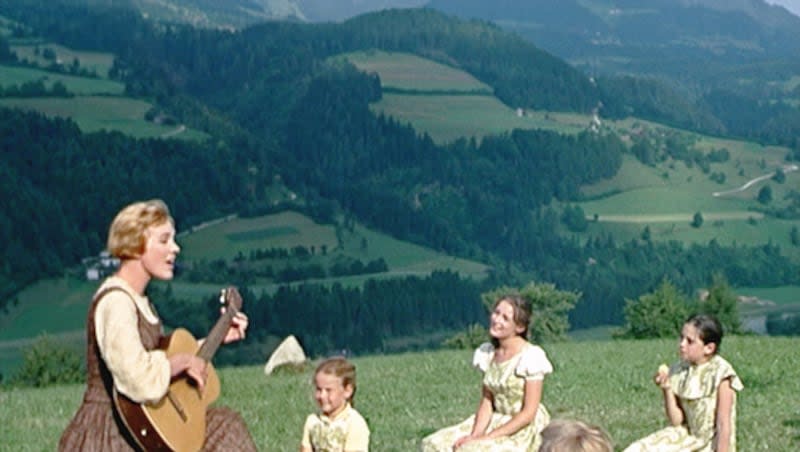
(17, 75)
(407, 396)
(98, 62)
(98, 103)
(448, 103)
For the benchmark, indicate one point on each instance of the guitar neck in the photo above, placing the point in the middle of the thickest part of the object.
(216, 335)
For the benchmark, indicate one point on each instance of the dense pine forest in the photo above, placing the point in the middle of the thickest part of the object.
(276, 104)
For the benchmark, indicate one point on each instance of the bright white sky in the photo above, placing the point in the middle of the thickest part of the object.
(791, 5)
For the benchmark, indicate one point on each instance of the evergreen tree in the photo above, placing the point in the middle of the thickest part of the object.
(660, 313)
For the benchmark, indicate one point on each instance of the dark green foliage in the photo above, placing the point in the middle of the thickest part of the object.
(723, 303)
(81, 180)
(469, 339)
(697, 220)
(46, 362)
(660, 313)
(780, 176)
(6, 55)
(765, 195)
(574, 218)
(783, 324)
(367, 319)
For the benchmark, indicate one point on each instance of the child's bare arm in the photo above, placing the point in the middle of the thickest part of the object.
(725, 396)
(672, 407)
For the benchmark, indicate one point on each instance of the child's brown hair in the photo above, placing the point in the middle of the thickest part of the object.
(342, 368)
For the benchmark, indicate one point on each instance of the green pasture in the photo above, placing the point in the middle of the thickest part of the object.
(406, 396)
(446, 117)
(407, 71)
(226, 239)
(449, 117)
(17, 75)
(95, 113)
(665, 197)
(99, 62)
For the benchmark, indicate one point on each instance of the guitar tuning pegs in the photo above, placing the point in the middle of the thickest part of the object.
(222, 296)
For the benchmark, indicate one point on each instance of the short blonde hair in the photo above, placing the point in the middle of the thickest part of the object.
(127, 235)
(574, 436)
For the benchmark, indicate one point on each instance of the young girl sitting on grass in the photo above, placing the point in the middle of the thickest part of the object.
(699, 395)
(338, 427)
(510, 414)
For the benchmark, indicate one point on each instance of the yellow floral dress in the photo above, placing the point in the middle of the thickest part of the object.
(696, 388)
(348, 431)
(506, 381)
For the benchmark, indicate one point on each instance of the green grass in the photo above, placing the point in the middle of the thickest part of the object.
(407, 71)
(291, 229)
(665, 197)
(447, 117)
(407, 396)
(95, 113)
(99, 62)
(16, 75)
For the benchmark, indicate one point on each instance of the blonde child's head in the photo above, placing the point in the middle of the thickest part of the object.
(574, 436)
(335, 385)
(127, 235)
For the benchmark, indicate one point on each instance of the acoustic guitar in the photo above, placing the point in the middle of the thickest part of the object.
(177, 422)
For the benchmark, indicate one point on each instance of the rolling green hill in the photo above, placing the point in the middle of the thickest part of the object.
(407, 396)
(57, 307)
(663, 196)
(280, 107)
(96, 102)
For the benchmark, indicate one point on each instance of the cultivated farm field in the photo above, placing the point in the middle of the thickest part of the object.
(407, 396)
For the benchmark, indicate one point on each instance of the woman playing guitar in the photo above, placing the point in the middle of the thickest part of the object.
(123, 338)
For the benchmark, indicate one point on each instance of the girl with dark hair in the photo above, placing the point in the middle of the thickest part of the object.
(699, 394)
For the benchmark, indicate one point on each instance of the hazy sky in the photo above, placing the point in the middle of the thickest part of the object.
(791, 5)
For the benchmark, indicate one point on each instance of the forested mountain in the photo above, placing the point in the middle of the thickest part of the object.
(276, 104)
(733, 60)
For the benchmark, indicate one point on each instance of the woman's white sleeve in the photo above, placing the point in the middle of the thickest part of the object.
(141, 375)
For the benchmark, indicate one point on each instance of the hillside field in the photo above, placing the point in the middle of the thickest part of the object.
(97, 62)
(99, 103)
(407, 396)
(663, 197)
(57, 307)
